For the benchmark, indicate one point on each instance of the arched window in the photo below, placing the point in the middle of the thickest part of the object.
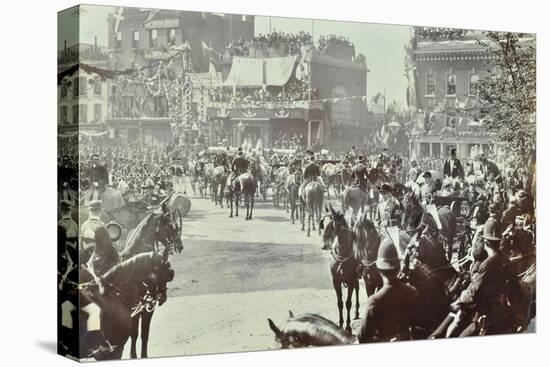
(451, 84)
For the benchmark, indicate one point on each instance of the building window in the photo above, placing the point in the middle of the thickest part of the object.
(171, 37)
(76, 86)
(82, 91)
(97, 112)
(474, 81)
(63, 90)
(153, 40)
(64, 115)
(75, 114)
(118, 39)
(135, 39)
(451, 85)
(97, 88)
(82, 113)
(430, 85)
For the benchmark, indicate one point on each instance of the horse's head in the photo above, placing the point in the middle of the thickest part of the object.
(331, 224)
(160, 275)
(168, 228)
(412, 210)
(308, 329)
(367, 239)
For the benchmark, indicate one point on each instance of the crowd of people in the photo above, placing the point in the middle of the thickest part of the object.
(294, 90)
(287, 43)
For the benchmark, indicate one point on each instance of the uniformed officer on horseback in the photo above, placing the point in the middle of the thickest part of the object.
(388, 212)
(359, 174)
(312, 173)
(394, 311)
(239, 165)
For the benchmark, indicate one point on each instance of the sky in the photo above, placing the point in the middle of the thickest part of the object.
(383, 45)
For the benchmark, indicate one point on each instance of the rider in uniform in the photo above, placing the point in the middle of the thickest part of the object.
(359, 174)
(388, 212)
(68, 251)
(97, 250)
(238, 166)
(312, 173)
(494, 290)
(393, 311)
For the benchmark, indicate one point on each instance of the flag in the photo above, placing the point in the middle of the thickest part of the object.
(118, 17)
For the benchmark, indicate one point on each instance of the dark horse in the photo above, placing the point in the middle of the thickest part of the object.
(292, 187)
(337, 234)
(219, 179)
(415, 215)
(115, 293)
(309, 329)
(244, 184)
(160, 226)
(367, 241)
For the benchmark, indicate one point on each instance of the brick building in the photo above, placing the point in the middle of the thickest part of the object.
(445, 74)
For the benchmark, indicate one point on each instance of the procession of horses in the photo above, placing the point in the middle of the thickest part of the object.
(381, 227)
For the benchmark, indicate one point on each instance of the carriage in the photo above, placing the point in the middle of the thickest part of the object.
(460, 206)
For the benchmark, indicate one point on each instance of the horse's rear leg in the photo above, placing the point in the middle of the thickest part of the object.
(348, 305)
(356, 299)
(338, 288)
(145, 326)
(134, 336)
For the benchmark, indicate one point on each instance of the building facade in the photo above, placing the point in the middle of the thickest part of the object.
(446, 74)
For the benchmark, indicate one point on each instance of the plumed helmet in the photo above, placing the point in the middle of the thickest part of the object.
(388, 259)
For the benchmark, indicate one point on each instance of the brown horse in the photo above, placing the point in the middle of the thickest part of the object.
(312, 202)
(161, 226)
(219, 179)
(246, 185)
(415, 215)
(355, 198)
(367, 241)
(292, 187)
(309, 330)
(116, 293)
(343, 266)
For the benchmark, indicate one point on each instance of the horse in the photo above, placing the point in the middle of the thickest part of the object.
(115, 293)
(331, 174)
(339, 238)
(309, 330)
(366, 244)
(243, 184)
(219, 180)
(160, 226)
(312, 202)
(292, 187)
(355, 198)
(414, 215)
(207, 179)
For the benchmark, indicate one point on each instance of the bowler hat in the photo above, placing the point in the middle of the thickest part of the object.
(385, 188)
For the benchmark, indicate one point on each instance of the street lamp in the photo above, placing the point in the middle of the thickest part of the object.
(394, 126)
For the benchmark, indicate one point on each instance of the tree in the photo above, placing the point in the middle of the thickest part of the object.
(507, 95)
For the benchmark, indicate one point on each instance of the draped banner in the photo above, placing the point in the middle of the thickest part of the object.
(257, 72)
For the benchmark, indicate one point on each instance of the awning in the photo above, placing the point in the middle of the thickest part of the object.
(257, 72)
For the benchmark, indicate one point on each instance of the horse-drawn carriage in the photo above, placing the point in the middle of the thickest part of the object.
(460, 206)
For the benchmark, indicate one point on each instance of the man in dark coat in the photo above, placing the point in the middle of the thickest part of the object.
(489, 168)
(359, 174)
(453, 167)
(494, 290)
(393, 311)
